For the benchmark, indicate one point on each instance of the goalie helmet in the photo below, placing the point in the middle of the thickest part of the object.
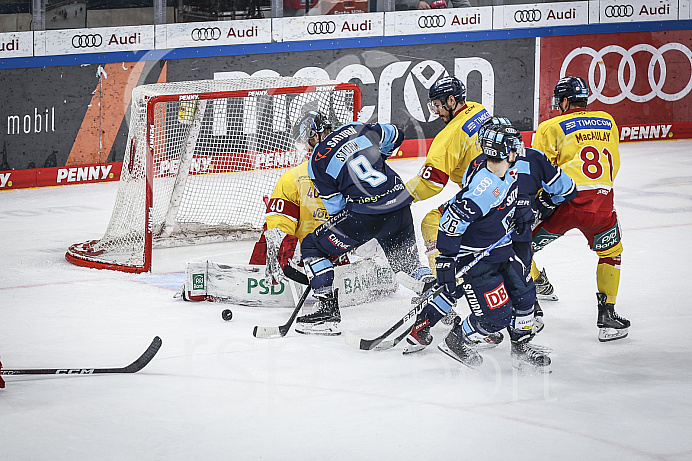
(310, 125)
(572, 88)
(498, 140)
(445, 87)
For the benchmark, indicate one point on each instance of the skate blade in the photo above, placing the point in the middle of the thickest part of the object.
(443, 347)
(320, 329)
(550, 297)
(529, 369)
(412, 348)
(611, 334)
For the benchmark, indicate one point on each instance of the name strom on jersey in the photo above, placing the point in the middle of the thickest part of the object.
(349, 171)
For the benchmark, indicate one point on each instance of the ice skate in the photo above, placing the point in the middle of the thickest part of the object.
(611, 325)
(544, 289)
(530, 357)
(324, 321)
(419, 338)
(459, 349)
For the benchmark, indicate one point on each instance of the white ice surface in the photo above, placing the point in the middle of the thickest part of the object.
(215, 392)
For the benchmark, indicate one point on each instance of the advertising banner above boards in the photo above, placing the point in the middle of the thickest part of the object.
(95, 40)
(438, 21)
(16, 44)
(541, 15)
(636, 77)
(213, 33)
(337, 26)
(328, 27)
(635, 10)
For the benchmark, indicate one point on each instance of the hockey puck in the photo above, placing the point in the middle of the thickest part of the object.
(227, 315)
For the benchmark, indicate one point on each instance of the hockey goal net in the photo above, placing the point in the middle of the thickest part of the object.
(200, 158)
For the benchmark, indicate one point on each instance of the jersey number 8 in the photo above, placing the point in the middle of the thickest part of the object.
(365, 172)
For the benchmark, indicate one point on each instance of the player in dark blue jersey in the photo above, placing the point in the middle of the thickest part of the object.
(498, 288)
(542, 187)
(365, 199)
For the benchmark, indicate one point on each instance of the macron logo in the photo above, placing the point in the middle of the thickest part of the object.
(85, 173)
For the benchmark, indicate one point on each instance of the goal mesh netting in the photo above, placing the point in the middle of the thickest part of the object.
(200, 158)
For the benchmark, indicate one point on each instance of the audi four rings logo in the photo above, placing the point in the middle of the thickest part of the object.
(619, 11)
(205, 33)
(429, 22)
(322, 27)
(87, 41)
(627, 71)
(527, 15)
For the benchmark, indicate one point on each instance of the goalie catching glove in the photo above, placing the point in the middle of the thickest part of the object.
(280, 249)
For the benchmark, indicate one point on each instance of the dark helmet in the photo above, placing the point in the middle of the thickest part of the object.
(572, 88)
(312, 123)
(494, 121)
(497, 140)
(447, 86)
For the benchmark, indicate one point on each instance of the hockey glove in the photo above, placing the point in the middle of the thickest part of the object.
(445, 267)
(523, 216)
(274, 272)
(544, 205)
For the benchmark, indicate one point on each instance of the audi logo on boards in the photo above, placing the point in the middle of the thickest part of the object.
(619, 11)
(627, 72)
(205, 33)
(321, 27)
(87, 41)
(527, 15)
(429, 22)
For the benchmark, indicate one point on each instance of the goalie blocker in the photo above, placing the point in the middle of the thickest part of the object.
(358, 282)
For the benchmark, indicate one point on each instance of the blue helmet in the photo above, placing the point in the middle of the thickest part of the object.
(498, 140)
(310, 125)
(494, 121)
(445, 87)
(572, 88)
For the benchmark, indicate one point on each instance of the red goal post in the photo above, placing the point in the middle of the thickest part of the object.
(199, 159)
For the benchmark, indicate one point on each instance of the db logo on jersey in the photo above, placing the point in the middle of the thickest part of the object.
(497, 297)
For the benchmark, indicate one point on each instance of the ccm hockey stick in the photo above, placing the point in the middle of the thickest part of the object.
(379, 343)
(134, 367)
(280, 332)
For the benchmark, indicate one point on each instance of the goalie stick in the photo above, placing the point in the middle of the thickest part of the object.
(280, 332)
(134, 367)
(380, 344)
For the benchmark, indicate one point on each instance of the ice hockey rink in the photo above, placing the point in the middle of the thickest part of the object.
(216, 392)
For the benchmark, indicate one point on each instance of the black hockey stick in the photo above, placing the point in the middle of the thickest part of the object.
(134, 367)
(379, 343)
(280, 332)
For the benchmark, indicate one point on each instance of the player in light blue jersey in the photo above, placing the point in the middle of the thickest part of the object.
(365, 199)
(498, 288)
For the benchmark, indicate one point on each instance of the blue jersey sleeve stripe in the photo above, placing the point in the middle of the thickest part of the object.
(334, 204)
(390, 134)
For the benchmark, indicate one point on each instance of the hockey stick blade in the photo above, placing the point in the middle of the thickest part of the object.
(280, 331)
(134, 367)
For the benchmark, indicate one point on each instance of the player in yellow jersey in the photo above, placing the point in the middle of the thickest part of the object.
(293, 211)
(450, 152)
(584, 144)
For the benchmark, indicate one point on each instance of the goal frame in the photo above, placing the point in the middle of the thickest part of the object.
(80, 257)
